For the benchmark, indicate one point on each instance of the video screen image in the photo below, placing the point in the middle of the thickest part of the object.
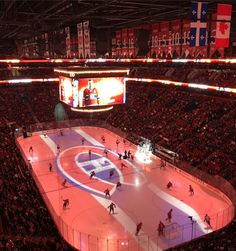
(88, 92)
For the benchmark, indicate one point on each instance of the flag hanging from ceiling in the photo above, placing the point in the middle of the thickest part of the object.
(199, 11)
(86, 39)
(198, 25)
(224, 12)
(154, 39)
(80, 40)
(118, 43)
(68, 46)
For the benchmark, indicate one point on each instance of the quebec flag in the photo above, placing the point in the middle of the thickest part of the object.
(198, 25)
(199, 11)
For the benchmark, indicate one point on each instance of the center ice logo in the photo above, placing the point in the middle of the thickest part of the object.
(77, 163)
(101, 165)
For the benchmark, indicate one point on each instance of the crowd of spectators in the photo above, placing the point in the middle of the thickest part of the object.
(25, 223)
(181, 73)
(198, 126)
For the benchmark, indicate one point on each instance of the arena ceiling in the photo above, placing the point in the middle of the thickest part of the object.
(25, 18)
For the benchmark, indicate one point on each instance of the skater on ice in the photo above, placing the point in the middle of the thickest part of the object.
(111, 173)
(191, 191)
(31, 149)
(64, 183)
(169, 215)
(169, 185)
(107, 193)
(161, 228)
(207, 219)
(111, 207)
(92, 174)
(65, 203)
(138, 228)
(118, 185)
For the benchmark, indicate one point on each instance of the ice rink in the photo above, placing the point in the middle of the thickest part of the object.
(143, 196)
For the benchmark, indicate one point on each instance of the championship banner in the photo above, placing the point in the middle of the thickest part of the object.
(113, 47)
(93, 49)
(175, 37)
(26, 48)
(154, 40)
(36, 48)
(131, 44)
(46, 53)
(186, 49)
(86, 39)
(68, 47)
(80, 40)
(118, 43)
(125, 49)
(224, 12)
(163, 39)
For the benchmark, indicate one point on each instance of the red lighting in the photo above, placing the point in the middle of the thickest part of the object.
(122, 60)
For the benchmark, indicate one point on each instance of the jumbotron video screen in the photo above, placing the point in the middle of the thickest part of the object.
(92, 92)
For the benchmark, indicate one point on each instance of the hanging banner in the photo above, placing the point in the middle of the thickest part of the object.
(131, 43)
(35, 47)
(118, 43)
(46, 53)
(175, 37)
(93, 49)
(199, 11)
(213, 50)
(187, 51)
(68, 47)
(154, 40)
(26, 48)
(113, 47)
(125, 49)
(86, 39)
(80, 40)
(224, 12)
(164, 38)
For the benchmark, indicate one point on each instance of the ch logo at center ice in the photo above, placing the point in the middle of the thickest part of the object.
(99, 164)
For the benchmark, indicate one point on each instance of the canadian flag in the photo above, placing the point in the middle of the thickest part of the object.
(223, 25)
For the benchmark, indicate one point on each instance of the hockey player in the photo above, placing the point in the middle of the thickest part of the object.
(106, 152)
(207, 219)
(138, 228)
(90, 154)
(82, 141)
(103, 139)
(31, 149)
(161, 228)
(92, 174)
(107, 193)
(191, 191)
(118, 185)
(111, 173)
(169, 185)
(64, 183)
(58, 148)
(90, 95)
(111, 207)
(120, 156)
(169, 215)
(117, 143)
(65, 203)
